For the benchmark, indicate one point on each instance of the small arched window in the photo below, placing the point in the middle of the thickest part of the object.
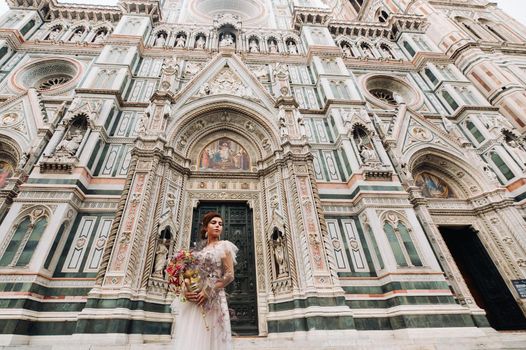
(25, 29)
(382, 16)
(503, 167)
(475, 131)
(409, 49)
(450, 100)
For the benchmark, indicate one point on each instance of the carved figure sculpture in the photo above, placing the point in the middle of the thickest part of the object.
(347, 51)
(100, 37)
(293, 49)
(54, 34)
(70, 144)
(253, 46)
(272, 46)
(160, 259)
(180, 41)
(77, 36)
(161, 40)
(227, 40)
(200, 43)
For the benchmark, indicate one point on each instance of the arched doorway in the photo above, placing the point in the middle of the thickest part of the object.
(238, 229)
(468, 240)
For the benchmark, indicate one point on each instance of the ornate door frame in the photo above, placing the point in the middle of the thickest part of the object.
(193, 194)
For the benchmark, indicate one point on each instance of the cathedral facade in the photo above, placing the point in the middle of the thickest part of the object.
(368, 158)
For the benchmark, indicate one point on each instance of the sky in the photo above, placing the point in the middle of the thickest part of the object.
(516, 8)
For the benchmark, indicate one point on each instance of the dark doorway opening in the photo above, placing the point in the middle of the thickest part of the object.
(483, 278)
(242, 293)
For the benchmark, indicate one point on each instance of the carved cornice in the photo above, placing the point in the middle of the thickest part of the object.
(397, 24)
(151, 8)
(310, 15)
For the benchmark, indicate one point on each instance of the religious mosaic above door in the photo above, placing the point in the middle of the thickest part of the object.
(224, 155)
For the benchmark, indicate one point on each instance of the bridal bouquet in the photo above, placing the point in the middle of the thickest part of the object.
(184, 274)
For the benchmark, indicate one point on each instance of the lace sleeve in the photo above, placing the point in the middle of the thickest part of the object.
(228, 260)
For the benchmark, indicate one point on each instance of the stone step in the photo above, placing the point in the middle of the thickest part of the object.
(415, 339)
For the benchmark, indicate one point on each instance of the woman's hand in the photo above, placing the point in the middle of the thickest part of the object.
(201, 298)
(191, 296)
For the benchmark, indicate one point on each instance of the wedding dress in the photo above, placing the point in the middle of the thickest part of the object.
(210, 331)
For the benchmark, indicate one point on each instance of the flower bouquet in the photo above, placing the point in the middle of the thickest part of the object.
(184, 274)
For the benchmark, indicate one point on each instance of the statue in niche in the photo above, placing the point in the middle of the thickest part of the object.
(160, 258)
(180, 41)
(432, 186)
(160, 40)
(73, 138)
(227, 40)
(347, 51)
(200, 43)
(253, 46)
(278, 244)
(70, 143)
(101, 35)
(77, 35)
(365, 147)
(54, 34)
(272, 46)
(293, 49)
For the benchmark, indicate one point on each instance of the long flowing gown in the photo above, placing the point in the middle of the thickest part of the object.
(190, 327)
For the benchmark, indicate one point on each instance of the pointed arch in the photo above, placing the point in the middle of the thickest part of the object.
(205, 120)
(461, 177)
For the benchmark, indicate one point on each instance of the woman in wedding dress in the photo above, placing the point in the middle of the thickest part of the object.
(203, 321)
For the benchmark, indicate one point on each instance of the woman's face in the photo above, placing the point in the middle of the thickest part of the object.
(214, 228)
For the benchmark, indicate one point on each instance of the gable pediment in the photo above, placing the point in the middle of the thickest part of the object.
(225, 75)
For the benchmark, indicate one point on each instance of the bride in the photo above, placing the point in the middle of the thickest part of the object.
(209, 330)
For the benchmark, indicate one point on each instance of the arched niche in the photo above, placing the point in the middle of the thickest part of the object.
(194, 131)
(444, 176)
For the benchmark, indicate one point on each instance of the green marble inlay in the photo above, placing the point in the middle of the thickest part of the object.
(391, 286)
(414, 321)
(304, 303)
(311, 323)
(123, 326)
(34, 305)
(127, 304)
(26, 327)
(376, 323)
(400, 300)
